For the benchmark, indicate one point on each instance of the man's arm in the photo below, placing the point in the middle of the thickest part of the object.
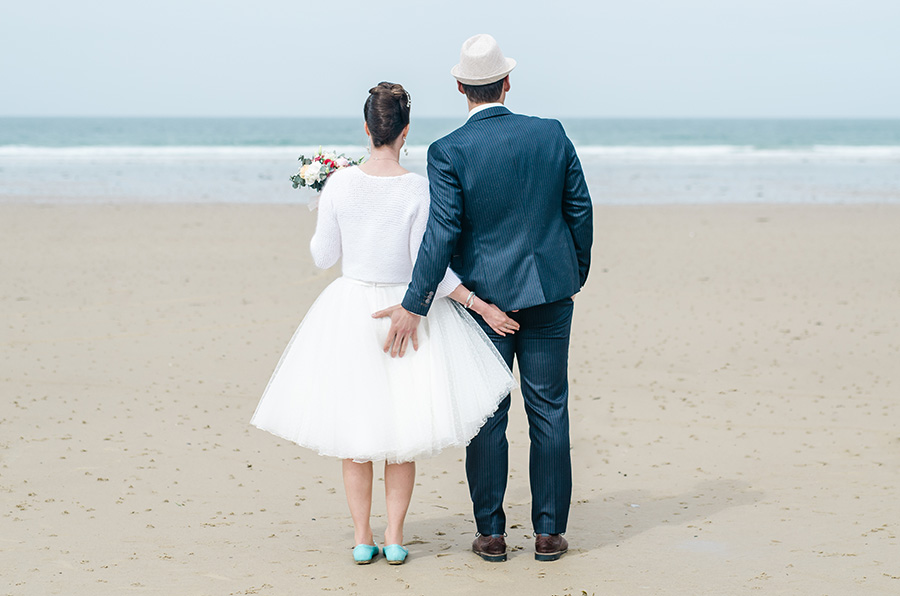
(578, 211)
(441, 233)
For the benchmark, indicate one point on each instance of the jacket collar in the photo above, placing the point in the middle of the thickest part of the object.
(489, 113)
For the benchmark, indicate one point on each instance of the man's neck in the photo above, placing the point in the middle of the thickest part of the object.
(478, 107)
(472, 106)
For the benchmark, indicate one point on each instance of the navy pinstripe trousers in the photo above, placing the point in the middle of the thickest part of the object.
(541, 347)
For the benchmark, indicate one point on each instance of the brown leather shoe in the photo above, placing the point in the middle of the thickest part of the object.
(549, 547)
(490, 548)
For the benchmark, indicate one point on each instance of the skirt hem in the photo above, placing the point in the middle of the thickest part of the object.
(397, 458)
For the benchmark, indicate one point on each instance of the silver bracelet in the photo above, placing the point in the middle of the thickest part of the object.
(470, 300)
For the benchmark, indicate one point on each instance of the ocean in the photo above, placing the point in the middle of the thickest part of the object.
(626, 161)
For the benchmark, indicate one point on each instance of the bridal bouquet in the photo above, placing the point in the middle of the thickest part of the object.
(315, 170)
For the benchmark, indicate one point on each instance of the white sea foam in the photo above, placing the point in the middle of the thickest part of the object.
(674, 153)
(713, 174)
(162, 153)
(740, 153)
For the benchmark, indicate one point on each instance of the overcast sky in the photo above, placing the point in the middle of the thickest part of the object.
(628, 58)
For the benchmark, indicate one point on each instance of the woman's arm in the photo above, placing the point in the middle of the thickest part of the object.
(498, 320)
(325, 245)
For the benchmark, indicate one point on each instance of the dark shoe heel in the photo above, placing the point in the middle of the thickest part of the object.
(490, 548)
(549, 547)
(492, 558)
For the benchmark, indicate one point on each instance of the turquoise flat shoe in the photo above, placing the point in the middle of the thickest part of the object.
(395, 554)
(364, 554)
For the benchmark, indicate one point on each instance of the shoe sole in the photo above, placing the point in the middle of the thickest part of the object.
(374, 556)
(491, 558)
(549, 556)
(390, 562)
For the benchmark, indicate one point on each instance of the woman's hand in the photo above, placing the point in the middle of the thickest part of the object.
(498, 320)
(493, 316)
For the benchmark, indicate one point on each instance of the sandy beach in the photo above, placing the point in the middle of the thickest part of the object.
(734, 400)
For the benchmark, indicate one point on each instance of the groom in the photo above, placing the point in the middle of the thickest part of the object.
(511, 214)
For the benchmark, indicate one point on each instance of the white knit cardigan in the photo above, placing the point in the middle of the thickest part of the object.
(376, 224)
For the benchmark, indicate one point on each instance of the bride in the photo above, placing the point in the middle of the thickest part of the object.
(336, 390)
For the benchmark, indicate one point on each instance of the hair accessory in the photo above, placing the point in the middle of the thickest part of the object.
(408, 99)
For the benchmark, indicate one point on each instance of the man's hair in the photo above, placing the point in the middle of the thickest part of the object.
(489, 93)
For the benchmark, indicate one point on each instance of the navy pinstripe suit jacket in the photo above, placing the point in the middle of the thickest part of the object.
(510, 213)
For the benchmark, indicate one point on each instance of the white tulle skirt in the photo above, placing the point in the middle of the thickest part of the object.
(335, 391)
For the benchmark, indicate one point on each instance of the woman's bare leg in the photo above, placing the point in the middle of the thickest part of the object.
(399, 480)
(358, 485)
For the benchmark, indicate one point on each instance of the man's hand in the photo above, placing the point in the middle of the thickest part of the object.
(404, 326)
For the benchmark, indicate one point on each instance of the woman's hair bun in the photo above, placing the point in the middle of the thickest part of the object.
(386, 112)
(393, 89)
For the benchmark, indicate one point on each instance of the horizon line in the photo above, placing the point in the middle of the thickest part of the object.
(430, 117)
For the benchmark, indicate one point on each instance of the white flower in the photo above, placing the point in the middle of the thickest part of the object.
(342, 162)
(330, 156)
(312, 172)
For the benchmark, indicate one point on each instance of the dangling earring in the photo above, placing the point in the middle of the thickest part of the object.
(405, 152)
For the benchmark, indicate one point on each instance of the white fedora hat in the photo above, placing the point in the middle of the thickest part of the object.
(481, 62)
